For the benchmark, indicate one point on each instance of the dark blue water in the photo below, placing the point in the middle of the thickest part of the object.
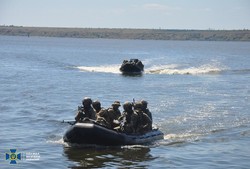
(198, 92)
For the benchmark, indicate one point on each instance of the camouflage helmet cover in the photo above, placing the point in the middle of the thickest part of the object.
(144, 102)
(87, 100)
(116, 103)
(127, 105)
(138, 105)
(96, 103)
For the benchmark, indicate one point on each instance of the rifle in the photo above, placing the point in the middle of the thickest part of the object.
(81, 108)
(133, 102)
(123, 122)
(71, 122)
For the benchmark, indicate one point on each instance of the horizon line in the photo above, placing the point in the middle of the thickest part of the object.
(187, 29)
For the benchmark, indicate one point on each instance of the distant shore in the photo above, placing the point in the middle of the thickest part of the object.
(116, 33)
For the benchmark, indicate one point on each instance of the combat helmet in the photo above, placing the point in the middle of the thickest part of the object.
(96, 103)
(127, 106)
(116, 103)
(87, 101)
(138, 105)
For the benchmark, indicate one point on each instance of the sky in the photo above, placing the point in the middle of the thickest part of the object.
(149, 14)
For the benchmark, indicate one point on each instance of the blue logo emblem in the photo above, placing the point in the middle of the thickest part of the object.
(13, 156)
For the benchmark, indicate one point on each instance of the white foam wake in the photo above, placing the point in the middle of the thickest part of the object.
(158, 69)
(102, 68)
(175, 69)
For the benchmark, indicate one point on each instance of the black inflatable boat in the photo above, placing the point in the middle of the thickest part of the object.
(133, 66)
(92, 133)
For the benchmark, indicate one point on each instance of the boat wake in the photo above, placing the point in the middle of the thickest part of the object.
(100, 69)
(57, 141)
(177, 69)
(172, 69)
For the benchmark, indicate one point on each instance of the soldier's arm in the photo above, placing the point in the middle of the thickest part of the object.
(78, 116)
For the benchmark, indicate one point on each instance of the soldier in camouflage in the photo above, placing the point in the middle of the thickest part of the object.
(144, 123)
(146, 110)
(128, 119)
(85, 111)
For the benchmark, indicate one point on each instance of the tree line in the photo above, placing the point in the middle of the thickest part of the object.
(116, 33)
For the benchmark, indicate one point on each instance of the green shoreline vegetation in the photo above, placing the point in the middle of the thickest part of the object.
(116, 33)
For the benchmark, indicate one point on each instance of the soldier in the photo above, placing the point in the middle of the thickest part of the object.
(115, 107)
(128, 119)
(86, 110)
(146, 110)
(144, 123)
(103, 118)
(114, 113)
(97, 106)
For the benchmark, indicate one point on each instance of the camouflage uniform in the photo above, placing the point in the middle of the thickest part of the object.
(85, 111)
(97, 106)
(146, 110)
(115, 108)
(107, 116)
(128, 119)
(144, 123)
(103, 118)
(113, 113)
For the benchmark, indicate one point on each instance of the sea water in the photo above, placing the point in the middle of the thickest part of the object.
(198, 93)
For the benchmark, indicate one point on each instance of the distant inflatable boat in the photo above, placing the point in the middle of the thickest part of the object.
(94, 134)
(133, 66)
